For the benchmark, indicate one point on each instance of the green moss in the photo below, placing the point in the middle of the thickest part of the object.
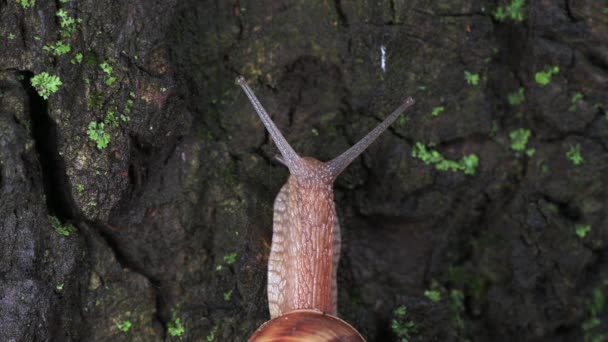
(46, 84)
(574, 154)
(66, 230)
(513, 11)
(421, 152)
(68, 24)
(58, 49)
(468, 164)
(576, 98)
(211, 336)
(437, 110)
(530, 152)
(447, 165)
(227, 295)
(125, 325)
(107, 69)
(111, 119)
(401, 326)
(433, 295)
(98, 134)
(175, 327)
(230, 258)
(544, 77)
(519, 139)
(517, 98)
(77, 58)
(27, 3)
(582, 230)
(472, 79)
(110, 80)
(595, 306)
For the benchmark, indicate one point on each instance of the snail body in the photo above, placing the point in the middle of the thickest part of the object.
(305, 251)
(305, 248)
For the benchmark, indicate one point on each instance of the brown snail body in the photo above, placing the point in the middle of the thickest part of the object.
(305, 251)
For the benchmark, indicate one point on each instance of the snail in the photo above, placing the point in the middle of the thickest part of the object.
(305, 251)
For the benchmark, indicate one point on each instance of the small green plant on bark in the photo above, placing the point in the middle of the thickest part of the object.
(230, 258)
(582, 230)
(401, 326)
(59, 228)
(107, 69)
(519, 140)
(595, 306)
(68, 24)
(437, 110)
(574, 154)
(468, 164)
(227, 295)
(77, 59)
(27, 3)
(433, 295)
(576, 98)
(128, 106)
(211, 336)
(175, 327)
(517, 98)
(98, 134)
(125, 325)
(544, 77)
(46, 84)
(58, 49)
(11, 36)
(513, 11)
(111, 119)
(472, 79)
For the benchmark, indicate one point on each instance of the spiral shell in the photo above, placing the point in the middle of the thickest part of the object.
(306, 325)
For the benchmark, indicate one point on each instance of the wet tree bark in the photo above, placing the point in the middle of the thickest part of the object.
(164, 233)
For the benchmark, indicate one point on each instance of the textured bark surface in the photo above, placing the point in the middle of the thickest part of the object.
(173, 218)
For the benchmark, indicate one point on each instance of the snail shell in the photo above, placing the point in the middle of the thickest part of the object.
(306, 325)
